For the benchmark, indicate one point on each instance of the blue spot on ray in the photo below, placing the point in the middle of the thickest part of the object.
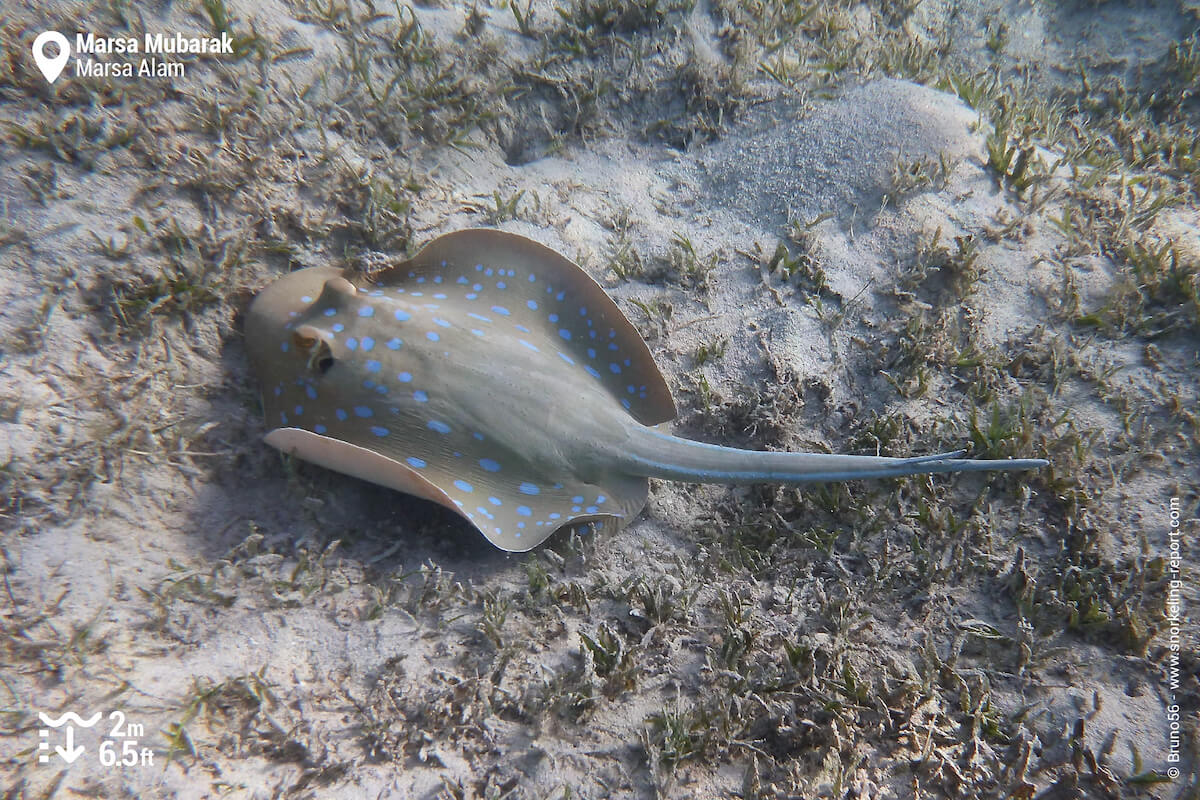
(438, 426)
(363, 411)
(420, 396)
(489, 464)
(378, 431)
(394, 344)
(366, 311)
(464, 486)
(367, 343)
(341, 414)
(431, 336)
(413, 461)
(401, 315)
(524, 511)
(529, 488)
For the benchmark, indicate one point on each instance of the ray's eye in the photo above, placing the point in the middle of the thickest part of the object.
(320, 358)
(310, 340)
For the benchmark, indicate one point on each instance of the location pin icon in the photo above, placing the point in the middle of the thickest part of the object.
(51, 67)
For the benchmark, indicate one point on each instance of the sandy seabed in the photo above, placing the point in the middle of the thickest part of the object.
(889, 229)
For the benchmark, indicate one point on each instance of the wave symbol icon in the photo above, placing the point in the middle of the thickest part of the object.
(70, 716)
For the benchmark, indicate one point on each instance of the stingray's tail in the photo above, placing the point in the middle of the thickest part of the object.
(659, 455)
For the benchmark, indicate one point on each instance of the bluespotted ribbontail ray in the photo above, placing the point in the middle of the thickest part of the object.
(493, 376)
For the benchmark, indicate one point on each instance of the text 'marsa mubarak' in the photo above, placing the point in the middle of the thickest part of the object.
(154, 43)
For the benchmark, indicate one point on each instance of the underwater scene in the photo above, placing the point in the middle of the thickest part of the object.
(571, 399)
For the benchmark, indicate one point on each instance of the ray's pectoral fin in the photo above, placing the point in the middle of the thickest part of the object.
(513, 521)
(518, 517)
(356, 461)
